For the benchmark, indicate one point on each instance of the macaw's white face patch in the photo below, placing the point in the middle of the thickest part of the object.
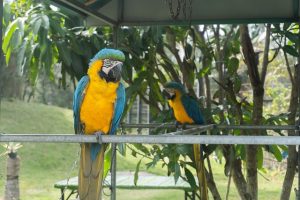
(170, 91)
(109, 64)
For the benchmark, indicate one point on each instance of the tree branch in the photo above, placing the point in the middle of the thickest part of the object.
(266, 54)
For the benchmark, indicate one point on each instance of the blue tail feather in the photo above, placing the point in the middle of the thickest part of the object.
(95, 149)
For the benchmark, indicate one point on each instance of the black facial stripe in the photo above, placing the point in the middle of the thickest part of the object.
(168, 95)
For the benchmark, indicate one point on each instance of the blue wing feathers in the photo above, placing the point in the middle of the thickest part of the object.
(77, 101)
(119, 108)
(192, 108)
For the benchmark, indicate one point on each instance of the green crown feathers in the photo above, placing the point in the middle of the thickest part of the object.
(175, 85)
(106, 53)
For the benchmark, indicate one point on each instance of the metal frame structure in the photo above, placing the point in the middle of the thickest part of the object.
(136, 12)
(188, 136)
(178, 137)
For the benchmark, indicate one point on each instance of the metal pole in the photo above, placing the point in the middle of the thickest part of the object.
(113, 171)
(153, 139)
(81, 8)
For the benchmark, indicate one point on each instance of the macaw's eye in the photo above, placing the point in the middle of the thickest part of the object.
(169, 90)
(108, 63)
(169, 93)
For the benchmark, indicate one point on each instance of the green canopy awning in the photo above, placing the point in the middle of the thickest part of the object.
(159, 12)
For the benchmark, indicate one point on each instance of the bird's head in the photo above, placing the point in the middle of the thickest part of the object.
(172, 89)
(107, 64)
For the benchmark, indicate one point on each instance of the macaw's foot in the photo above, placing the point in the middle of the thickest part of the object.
(177, 125)
(99, 137)
(180, 126)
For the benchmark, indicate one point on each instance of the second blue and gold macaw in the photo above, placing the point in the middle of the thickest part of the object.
(187, 111)
(98, 104)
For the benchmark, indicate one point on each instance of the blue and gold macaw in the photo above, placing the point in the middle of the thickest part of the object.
(99, 101)
(187, 111)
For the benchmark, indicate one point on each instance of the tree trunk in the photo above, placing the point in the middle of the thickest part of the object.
(292, 158)
(257, 83)
(212, 186)
(12, 191)
(239, 180)
(289, 174)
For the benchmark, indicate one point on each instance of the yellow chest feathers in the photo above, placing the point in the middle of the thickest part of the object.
(179, 111)
(97, 108)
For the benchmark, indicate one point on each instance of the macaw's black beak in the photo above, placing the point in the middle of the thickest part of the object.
(114, 74)
(168, 95)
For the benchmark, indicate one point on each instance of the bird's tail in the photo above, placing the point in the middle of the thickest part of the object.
(199, 160)
(90, 174)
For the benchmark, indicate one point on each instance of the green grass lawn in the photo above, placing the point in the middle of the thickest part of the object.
(42, 164)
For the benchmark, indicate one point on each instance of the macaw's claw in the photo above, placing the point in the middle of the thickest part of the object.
(99, 137)
(177, 124)
(180, 126)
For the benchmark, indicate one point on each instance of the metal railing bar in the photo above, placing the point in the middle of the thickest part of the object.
(154, 139)
(244, 127)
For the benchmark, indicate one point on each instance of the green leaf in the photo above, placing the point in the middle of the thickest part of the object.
(237, 84)
(77, 46)
(122, 148)
(155, 90)
(182, 149)
(48, 57)
(177, 172)
(190, 177)
(290, 50)
(36, 25)
(283, 147)
(77, 64)
(276, 152)
(204, 71)
(209, 149)
(293, 37)
(34, 69)
(21, 54)
(241, 151)
(45, 19)
(107, 161)
(64, 53)
(15, 40)
(260, 157)
(7, 56)
(97, 42)
(30, 49)
(133, 153)
(8, 35)
(55, 25)
(142, 148)
(233, 65)
(6, 13)
(136, 173)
